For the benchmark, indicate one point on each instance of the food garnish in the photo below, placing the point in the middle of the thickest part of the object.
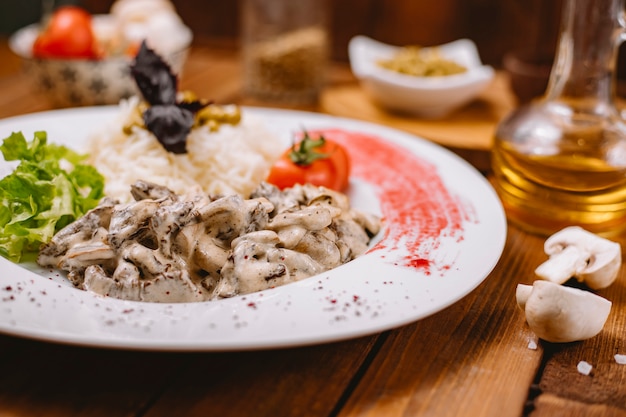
(170, 115)
(421, 62)
(49, 189)
(317, 161)
(169, 120)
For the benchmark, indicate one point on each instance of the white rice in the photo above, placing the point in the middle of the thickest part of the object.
(232, 160)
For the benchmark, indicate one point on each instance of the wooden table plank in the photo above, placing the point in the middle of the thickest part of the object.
(471, 127)
(212, 74)
(607, 382)
(19, 98)
(552, 406)
(306, 381)
(67, 380)
(11, 63)
(459, 361)
(42, 379)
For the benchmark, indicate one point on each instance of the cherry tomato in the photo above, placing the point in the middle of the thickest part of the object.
(318, 161)
(68, 34)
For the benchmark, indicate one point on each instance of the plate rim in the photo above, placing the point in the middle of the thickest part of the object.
(173, 345)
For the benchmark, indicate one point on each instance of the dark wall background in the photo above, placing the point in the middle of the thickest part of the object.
(15, 14)
(497, 26)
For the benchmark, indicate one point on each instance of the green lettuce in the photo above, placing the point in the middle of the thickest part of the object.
(50, 188)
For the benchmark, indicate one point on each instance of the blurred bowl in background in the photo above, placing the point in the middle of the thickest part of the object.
(427, 96)
(82, 82)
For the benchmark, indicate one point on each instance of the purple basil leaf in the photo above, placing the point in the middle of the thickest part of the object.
(170, 124)
(153, 76)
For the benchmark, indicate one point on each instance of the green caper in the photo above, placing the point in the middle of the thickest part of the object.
(215, 115)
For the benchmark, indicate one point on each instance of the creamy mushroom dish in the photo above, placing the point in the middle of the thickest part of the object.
(165, 247)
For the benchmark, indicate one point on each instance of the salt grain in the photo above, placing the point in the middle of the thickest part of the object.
(584, 367)
(532, 344)
(620, 359)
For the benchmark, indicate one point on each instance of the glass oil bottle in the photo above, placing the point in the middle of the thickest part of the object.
(561, 159)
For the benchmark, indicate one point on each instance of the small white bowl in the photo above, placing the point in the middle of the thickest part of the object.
(81, 82)
(428, 97)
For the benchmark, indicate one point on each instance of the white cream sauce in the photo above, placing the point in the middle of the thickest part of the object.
(165, 247)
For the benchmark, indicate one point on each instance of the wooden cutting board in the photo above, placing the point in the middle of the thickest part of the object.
(471, 127)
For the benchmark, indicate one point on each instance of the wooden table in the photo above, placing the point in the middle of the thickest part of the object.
(471, 359)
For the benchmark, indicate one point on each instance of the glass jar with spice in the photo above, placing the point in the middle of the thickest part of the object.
(284, 49)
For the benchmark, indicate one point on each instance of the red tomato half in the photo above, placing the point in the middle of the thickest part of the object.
(68, 34)
(330, 167)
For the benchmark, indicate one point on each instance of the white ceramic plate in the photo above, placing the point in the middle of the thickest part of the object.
(444, 231)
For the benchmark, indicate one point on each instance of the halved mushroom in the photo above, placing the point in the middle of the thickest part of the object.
(575, 252)
(561, 314)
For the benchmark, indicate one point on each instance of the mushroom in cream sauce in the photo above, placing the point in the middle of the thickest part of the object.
(164, 247)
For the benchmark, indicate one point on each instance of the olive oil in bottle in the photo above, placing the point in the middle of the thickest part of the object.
(561, 160)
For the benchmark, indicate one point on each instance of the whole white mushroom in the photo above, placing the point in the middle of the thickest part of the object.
(575, 252)
(561, 314)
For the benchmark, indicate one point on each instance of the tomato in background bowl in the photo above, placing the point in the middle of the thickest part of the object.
(68, 34)
(71, 82)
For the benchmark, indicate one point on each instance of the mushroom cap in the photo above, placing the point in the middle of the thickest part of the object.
(603, 267)
(560, 314)
(575, 252)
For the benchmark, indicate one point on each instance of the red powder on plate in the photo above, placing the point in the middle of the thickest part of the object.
(418, 209)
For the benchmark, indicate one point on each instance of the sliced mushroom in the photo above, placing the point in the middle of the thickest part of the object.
(193, 247)
(83, 229)
(561, 314)
(575, 252)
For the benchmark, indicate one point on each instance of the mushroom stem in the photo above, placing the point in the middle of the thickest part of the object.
(575, 252)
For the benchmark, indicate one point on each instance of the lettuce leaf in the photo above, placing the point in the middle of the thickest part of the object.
(50, 188)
